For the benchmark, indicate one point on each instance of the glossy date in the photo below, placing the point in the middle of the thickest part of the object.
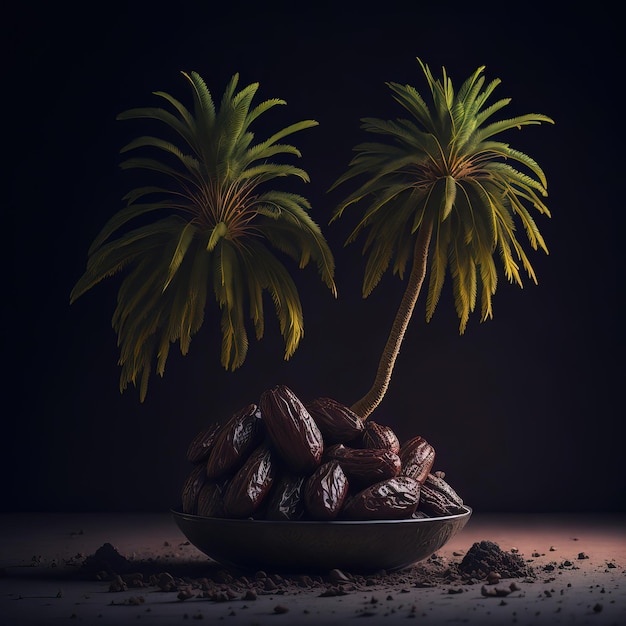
(394, 498)
(325, 491)
(235, 441)
(291, 429)
(337, 422)
(250, 484)
(364, 466)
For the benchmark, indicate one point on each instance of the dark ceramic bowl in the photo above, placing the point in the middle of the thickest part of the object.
(356, 546)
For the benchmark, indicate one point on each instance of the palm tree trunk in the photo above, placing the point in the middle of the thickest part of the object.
(366, 405)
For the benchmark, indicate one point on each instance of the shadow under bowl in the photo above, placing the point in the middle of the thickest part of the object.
(313, 546)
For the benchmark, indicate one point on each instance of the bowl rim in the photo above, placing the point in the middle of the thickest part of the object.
(177, 510)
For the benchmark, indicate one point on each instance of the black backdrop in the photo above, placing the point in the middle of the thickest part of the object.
(523, 410)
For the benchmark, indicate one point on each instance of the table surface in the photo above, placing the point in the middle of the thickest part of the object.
(580, 561)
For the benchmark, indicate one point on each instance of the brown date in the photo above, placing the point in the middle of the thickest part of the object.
(376, 435)
(210, 501)
(191, 488)
(437, 497)
(364, 466)
(291, 429)
(325, 491)
(417, 457)
(252, 482)
(394, 498)
(286, 502)
(337, 422)
(202, 444)
(234, 442)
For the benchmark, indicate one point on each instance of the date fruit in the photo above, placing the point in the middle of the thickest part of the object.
(438, 498)
(337, 422)
(377, 435)
(191, 488)
(291, 429)
(252, 482)
(394, 498)
(417, 457)
(234, 442)
(286, 502)
(202, 444)
(325, 491)
(364, 466)
(210, 501)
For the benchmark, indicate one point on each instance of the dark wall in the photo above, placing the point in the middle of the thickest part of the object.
(522, 410)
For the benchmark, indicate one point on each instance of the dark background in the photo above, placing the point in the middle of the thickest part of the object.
(523, 410)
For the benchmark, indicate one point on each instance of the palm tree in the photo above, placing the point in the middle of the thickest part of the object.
(214, 224)
(442, 194)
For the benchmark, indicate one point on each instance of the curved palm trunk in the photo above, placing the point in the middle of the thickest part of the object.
(366, 405)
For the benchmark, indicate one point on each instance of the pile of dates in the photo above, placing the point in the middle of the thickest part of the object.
(286, 460)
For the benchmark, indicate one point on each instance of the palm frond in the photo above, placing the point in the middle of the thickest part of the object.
(263, 107)
(385, 203)
(532, 231)
(231, 122)
(482, 115)
(185, 116)
(272, 276)
(528, 162)
(408, 97)
(267, 171)
(158, 167)
(114, 256)
(187, 233)
(438, 267)
(515, 122)
(489, 282)
(204, 107)
(463, 273)
(123, 217)
(159, 114)
(229, 292)
(291, 212)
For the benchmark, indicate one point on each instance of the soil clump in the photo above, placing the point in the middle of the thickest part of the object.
(485, 557)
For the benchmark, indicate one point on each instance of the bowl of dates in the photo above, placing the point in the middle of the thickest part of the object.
(294, 486)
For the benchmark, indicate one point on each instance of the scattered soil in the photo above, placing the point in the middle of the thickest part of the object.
(484, 564)
(170, 579)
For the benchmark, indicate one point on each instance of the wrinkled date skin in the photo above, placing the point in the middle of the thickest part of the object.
(210, 501)
(417, 457)
(291, 429)
(191, 488)
(249, 486)
(365, 466)
(287, 498)
(337, 422)
(202, 444)
(235, 441)
(378, 436)
(394, 498)
(438, 498)
(325, 491)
